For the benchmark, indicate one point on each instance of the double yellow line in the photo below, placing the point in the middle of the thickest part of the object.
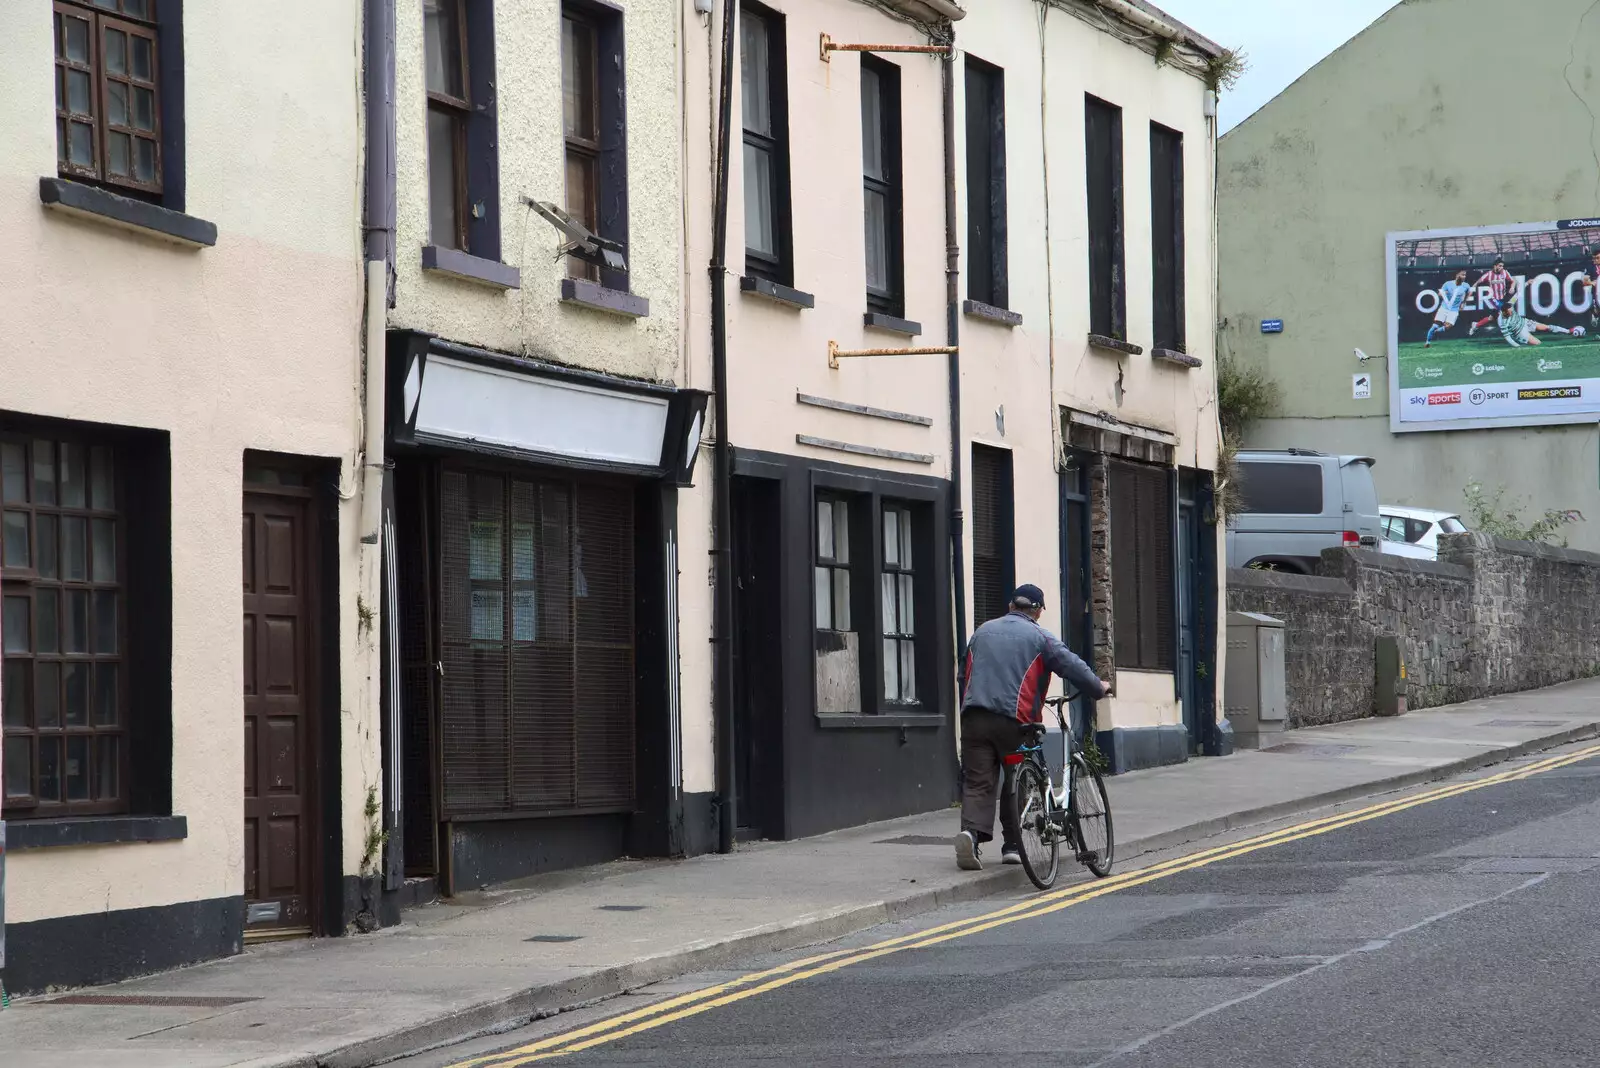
(749, 986)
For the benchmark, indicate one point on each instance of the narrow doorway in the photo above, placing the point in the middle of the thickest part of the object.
(1077, 624)
(758, 658)
(282, 709)
(1196, 578)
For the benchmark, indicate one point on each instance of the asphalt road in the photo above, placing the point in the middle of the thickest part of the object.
(1457, 932)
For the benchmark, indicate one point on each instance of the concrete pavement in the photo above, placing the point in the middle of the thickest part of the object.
(494, 960)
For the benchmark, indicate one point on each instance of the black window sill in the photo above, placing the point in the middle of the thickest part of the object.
(23, 835)
(103, 206)
(470, 268)
(1101, 341)
(1003, 316)
(776, 292)
(593, 295)
(895, 720)
(1175, 357)
(893, 324)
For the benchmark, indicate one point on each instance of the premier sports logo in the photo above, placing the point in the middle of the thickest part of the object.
(1551, 393)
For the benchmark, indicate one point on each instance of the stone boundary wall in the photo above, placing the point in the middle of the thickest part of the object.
(1491, 616)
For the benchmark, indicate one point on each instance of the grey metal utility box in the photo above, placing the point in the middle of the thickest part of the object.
(1255, 697)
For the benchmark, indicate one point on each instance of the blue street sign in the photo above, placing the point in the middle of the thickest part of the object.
(1272, 326)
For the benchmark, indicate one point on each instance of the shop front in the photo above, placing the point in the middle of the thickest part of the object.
(532, 705)
(843, 657)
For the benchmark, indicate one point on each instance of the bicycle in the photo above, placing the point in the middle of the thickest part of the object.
(1078, 812)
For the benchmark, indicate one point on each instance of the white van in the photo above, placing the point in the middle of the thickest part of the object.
(1296, 503)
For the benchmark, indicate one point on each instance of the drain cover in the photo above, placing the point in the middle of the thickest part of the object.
(623, 908)
(164, 1001)
(915, 840)
(553, 938)
(1539, 723)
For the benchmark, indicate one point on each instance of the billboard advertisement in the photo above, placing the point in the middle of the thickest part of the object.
(1494, 326)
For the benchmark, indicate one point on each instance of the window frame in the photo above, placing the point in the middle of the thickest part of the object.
(1108, 290)
(459, 111)
(148, 26)
(610, 148)
(988, 263)
(26, 584)
(833, 563)
(574, 144)
(1167, 238)
(905, 580)
(1142, 500)
(777, 268)
(890, 300)
(987, 461)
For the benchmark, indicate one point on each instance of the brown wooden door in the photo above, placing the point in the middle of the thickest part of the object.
(280, 721)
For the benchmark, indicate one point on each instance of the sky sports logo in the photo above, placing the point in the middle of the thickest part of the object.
(1444, 398)
(1551, 393)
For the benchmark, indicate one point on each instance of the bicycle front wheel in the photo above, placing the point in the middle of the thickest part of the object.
(1038, 830)
(1091, 818)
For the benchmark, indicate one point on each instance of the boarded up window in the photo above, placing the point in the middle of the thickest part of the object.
(1141, 566)
(992, 533)
(1108, 298)
(536, 634)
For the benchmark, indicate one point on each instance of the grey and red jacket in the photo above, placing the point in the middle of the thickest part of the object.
(1008, 667)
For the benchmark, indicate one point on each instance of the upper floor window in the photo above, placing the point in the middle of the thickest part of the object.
(986, 183)
(449, 109)
(880, 165)
(595, 128)
(1108, 297)
(1166, 235)
(108, 92)
(462, 135)
(764, 77)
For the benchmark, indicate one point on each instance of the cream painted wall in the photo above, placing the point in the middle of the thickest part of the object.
(531, 321)
(775, 352)
(252, 344)
(1016, 368)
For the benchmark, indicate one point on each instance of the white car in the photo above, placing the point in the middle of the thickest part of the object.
(1415, 531)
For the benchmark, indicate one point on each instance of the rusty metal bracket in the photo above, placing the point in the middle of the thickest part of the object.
(835, 353)
(826, 46)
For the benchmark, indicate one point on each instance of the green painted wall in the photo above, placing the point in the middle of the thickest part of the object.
(1443, 113)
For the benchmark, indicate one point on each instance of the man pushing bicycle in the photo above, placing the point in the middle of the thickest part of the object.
(1006, 673)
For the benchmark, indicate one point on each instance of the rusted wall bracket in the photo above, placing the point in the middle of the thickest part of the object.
(835, 353)
(827, 46)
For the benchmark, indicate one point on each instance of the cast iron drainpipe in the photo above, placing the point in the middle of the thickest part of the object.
(952, 272)
(722, 497)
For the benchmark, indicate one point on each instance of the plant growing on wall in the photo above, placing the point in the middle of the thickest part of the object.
(1244, 394)
(1492, 515)
(1225, 68)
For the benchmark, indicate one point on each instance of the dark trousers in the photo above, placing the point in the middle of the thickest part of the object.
(987, 738)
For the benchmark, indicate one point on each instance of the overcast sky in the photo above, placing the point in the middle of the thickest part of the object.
(1280, 48)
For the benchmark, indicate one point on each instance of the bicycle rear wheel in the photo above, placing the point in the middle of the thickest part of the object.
(1039, 833)
(1091, 818)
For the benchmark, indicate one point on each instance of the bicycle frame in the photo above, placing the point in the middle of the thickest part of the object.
(1059, 800)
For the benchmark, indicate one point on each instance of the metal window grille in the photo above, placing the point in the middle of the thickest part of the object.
(537, 644)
